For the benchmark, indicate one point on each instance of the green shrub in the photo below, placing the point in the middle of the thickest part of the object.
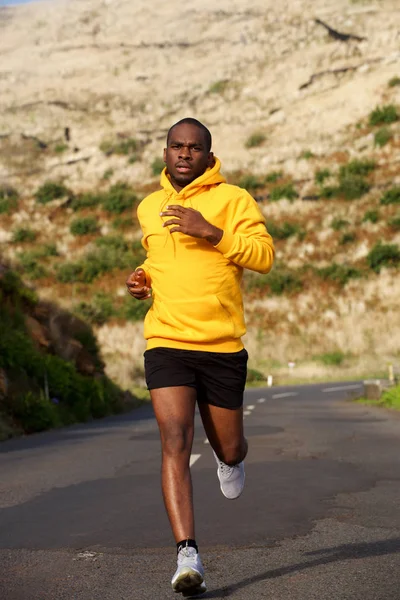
(337, 224)
(69, 272)
(8, 199)
(357, 167)
(331, 359)
(218, 87)
(98, 311)
(123, 223)
(60, 148)
(121, 146)
(371, 216)
(104, 259)
(307, 154)
(382, 137)
(87, 200)
(251, 182)
(383, 255)
(278, 281)
(383, 115)
(51, 190)
(281, 282)
(119, 198)
(134, 310)
(8, 192)
(48, 250)
(114, 242)
(273, 177)
(108, 173)
(321, 175)
(12, 287)
(284, 231)
(157, 166)
(340, 274)
(40, 252)
(35, 412)
(73, 397)
(391, 196)
(84, 226)
(394, 81)
(285, 190)
(253, 375)
(352, 183)
(255, 140)
(391, 397)
(347, 238)
(23, 235)
(31, 267)
(394, 223)
(329, 191)
(352, 187)
(138, 252)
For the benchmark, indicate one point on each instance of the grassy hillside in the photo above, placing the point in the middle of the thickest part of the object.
(306, 121)
(51, 373)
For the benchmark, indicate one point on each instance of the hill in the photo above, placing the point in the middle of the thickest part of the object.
(303, 100)
(51, 373)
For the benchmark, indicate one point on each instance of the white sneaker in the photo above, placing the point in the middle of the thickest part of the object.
(231, 478)
(189, 576)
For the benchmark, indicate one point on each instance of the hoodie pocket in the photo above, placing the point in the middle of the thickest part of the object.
(204, 319)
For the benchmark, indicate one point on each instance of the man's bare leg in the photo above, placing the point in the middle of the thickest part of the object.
(224, 429)
(174, 408)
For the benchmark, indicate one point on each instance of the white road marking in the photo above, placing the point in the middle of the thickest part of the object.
(250, 407)
(206, 441)
(261, 400)
(285, 394)
(247, 413)
(193, 459)
(342, 387)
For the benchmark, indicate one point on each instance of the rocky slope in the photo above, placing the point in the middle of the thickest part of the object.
(89, 89)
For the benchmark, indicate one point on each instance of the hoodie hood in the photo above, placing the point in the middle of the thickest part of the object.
(210, 177)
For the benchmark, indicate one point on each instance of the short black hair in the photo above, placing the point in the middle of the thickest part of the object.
(190, 121)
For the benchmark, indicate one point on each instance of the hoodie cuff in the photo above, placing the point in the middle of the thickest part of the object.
(226, 242)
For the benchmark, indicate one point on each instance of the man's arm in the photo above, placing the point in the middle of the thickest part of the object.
(245, 240)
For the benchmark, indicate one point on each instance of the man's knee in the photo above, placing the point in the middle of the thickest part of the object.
(175, 439)
(233, 453)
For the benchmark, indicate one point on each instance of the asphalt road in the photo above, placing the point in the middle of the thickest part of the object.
(81, 515)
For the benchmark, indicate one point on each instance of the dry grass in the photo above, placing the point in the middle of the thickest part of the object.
(359, 319)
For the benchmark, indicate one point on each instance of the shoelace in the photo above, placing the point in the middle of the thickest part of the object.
(225, 469)
(187, 552)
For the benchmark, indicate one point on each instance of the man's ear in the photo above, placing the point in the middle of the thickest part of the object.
(211, 159)
(165, 155)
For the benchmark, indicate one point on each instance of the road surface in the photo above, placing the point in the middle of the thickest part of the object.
(81, 515)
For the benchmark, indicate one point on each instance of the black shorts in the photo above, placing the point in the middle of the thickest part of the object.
(218, 377)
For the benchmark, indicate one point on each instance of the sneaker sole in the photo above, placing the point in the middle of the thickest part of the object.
(196, 592)
(188, 582)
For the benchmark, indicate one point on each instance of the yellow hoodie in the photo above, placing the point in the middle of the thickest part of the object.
(197, 300)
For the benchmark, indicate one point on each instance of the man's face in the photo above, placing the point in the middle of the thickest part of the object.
(186, 155)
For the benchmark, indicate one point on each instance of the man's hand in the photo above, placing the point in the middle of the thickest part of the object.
(191, 222)
(137, 285)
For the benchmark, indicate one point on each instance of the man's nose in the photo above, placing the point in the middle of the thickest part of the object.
(185, 152)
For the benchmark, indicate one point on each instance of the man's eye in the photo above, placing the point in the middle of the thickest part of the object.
(197, 148)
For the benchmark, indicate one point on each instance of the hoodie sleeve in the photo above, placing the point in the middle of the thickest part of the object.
(245, 240)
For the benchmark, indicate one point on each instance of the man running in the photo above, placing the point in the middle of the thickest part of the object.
(199, 234)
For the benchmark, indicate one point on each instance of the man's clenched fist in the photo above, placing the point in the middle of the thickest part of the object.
(137, 285)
